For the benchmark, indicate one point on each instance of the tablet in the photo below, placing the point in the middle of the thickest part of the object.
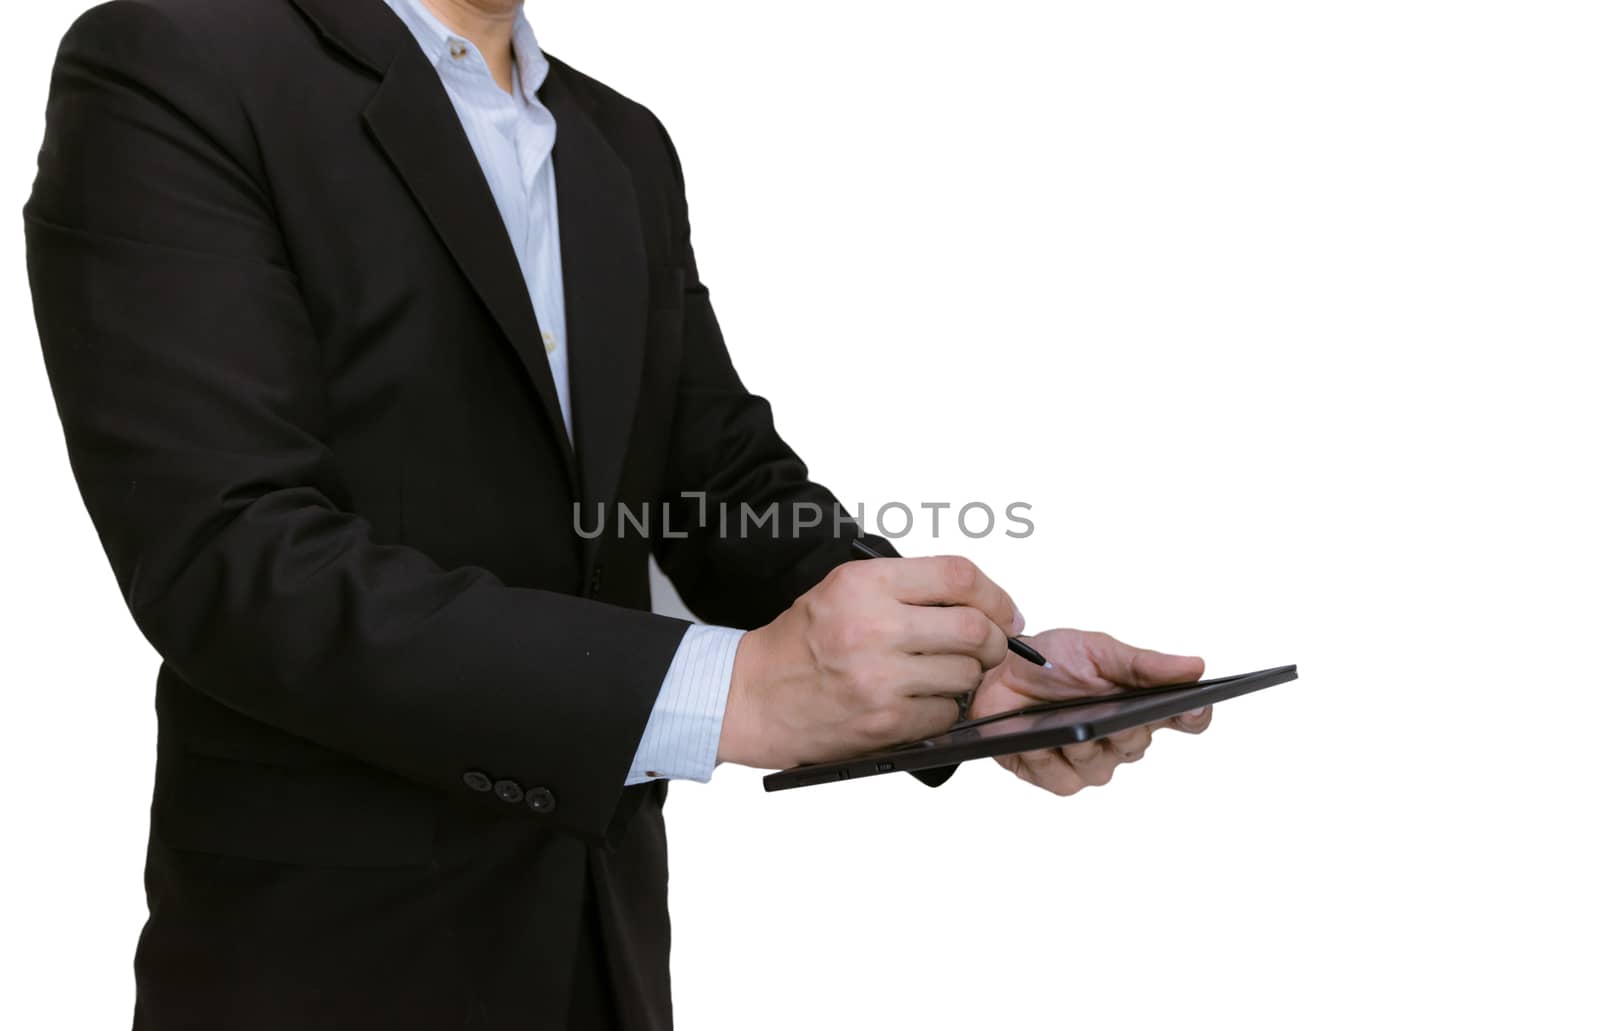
(1040, 726)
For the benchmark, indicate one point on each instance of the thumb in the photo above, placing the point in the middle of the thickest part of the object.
(1127, 666)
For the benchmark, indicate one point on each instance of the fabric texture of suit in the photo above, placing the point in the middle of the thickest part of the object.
(308, 410)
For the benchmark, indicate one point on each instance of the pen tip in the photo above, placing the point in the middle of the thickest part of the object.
(1049, 665)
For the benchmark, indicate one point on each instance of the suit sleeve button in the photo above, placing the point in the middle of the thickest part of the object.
(508, 791)
(541, 801)
(477, 780)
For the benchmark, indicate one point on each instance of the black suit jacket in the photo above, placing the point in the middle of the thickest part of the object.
(307, 408)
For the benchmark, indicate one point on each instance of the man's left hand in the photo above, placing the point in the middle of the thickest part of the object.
(1084, 664)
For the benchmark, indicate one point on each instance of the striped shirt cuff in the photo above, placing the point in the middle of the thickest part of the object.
(685, 726)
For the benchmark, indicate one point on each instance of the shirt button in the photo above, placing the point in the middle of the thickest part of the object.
(549, 343)
(508, 791)
(477, 780)
(458, 49)
(541, 800)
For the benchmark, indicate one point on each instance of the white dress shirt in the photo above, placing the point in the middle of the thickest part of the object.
(512, 135)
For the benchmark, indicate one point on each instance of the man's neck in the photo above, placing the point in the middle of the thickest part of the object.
(488, 25)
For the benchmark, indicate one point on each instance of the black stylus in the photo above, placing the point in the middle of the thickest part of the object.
(866, 550)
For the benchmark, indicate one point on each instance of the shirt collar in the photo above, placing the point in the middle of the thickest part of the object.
(437, 40)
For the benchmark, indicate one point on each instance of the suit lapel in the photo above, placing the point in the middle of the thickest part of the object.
(415, 125)
(606, 278)
(413, 121)
(604, 268)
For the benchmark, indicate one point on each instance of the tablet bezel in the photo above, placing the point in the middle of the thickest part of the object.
(1100, 716)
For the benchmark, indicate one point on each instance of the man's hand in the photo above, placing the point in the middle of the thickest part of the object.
(874, 655)
(1084, 664)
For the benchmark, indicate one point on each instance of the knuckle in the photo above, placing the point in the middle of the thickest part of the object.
(848, 579)
(852, 634)
(854, 572)
(959, 574)
(847, 634)
(972, 629)
(861, 682)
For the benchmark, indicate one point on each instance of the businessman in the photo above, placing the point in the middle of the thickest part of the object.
(348, 305)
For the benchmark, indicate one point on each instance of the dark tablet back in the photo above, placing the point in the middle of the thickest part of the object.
(1041, 726)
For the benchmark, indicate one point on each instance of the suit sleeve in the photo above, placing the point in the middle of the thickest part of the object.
(728, 459)
(763, 532)
(187, 377)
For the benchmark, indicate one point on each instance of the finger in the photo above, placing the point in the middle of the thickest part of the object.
(962, 630)
(1084, 752)
(1130, 745)
(951, 580)
(934, 675)
(927, 716)
(1097, 769)
(1128, 666)
(1050, 771)
(1194, 721)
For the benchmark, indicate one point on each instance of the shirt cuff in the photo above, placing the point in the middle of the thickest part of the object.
(685, 726)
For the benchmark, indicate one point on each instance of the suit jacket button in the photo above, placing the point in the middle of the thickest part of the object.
(477, 780)
(541, 801)
(508, 791)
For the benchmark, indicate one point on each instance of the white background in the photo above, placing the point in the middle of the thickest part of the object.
(1281, 315)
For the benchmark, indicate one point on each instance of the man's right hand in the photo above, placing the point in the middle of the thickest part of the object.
(874, 655)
